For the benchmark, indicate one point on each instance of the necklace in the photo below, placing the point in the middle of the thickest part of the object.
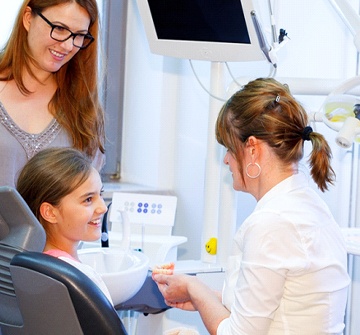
(4, 87)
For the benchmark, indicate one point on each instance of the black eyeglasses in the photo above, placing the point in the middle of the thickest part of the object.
(61, 34)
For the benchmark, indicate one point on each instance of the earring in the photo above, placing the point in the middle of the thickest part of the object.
(247, 173)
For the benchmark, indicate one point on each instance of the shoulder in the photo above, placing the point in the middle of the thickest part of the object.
(59, 254)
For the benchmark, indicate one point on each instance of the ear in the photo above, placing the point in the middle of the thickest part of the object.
(27, 18)
(253, 148)
(48, 212)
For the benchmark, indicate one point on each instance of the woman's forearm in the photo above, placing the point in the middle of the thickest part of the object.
(208, 304)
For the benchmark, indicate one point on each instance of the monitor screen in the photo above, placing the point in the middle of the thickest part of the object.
(214, 30)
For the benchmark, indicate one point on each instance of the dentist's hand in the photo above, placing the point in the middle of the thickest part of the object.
(175, 289)
(189, 293)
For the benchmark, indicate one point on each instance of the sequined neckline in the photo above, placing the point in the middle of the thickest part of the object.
(32, 143)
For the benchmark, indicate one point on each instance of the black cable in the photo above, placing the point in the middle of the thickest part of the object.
(104, 229)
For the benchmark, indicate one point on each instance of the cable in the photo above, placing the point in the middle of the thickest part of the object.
(232, 76)
(273, 69)
(271, 74)
(201, 84)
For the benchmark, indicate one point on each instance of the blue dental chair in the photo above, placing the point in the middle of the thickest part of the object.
(40, 294)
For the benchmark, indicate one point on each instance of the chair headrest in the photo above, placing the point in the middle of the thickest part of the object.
(18, 223)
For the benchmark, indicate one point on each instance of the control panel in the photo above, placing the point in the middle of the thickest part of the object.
(148, 209)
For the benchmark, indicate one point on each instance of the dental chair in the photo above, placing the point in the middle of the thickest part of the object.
(40, 294)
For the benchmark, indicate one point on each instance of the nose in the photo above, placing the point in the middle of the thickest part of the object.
(68, 44)
(101, 207)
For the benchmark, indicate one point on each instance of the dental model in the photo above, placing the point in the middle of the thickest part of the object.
(166, 269)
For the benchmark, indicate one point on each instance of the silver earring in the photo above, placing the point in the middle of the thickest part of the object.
(247, 173)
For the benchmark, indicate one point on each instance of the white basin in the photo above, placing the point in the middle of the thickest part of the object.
(123, 272)
(159, 248)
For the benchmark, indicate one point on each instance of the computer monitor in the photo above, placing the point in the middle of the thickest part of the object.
(212, 30)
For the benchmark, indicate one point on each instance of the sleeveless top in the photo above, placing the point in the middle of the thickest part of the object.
(18, 146)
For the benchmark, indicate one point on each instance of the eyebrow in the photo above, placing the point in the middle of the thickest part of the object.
(60, 24)
(86, 195)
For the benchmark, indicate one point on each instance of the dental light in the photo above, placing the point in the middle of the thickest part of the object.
(341, 112)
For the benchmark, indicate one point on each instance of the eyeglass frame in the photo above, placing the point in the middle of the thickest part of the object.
(73, 35)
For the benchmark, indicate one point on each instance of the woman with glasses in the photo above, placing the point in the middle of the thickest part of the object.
(49, 84)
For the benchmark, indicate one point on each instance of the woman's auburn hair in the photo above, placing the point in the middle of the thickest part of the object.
(75, 104)
(266, 109)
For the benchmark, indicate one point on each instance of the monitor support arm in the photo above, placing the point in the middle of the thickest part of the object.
(350, 18)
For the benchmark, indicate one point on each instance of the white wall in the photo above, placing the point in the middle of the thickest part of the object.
(8, 12)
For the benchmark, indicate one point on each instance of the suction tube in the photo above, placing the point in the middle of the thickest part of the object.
(268, 51)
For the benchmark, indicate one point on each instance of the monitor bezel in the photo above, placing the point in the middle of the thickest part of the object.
(203, 50)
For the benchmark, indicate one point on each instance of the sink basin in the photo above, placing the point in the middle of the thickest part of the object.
(123, 272)
(159, 248)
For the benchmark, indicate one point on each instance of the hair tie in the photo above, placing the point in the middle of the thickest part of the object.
(305, 135)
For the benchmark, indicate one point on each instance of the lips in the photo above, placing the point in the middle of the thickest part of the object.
(57, 54)
(96, 222)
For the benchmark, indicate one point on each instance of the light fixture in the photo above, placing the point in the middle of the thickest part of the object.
(341, 112)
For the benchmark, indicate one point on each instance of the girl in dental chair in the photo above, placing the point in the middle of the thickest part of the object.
(64, 192)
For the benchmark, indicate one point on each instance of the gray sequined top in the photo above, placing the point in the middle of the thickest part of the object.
(17, 146)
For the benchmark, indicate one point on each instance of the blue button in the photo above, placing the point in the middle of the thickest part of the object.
(140, 204)
(146, 205)
(145, 210)
(139, 210)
